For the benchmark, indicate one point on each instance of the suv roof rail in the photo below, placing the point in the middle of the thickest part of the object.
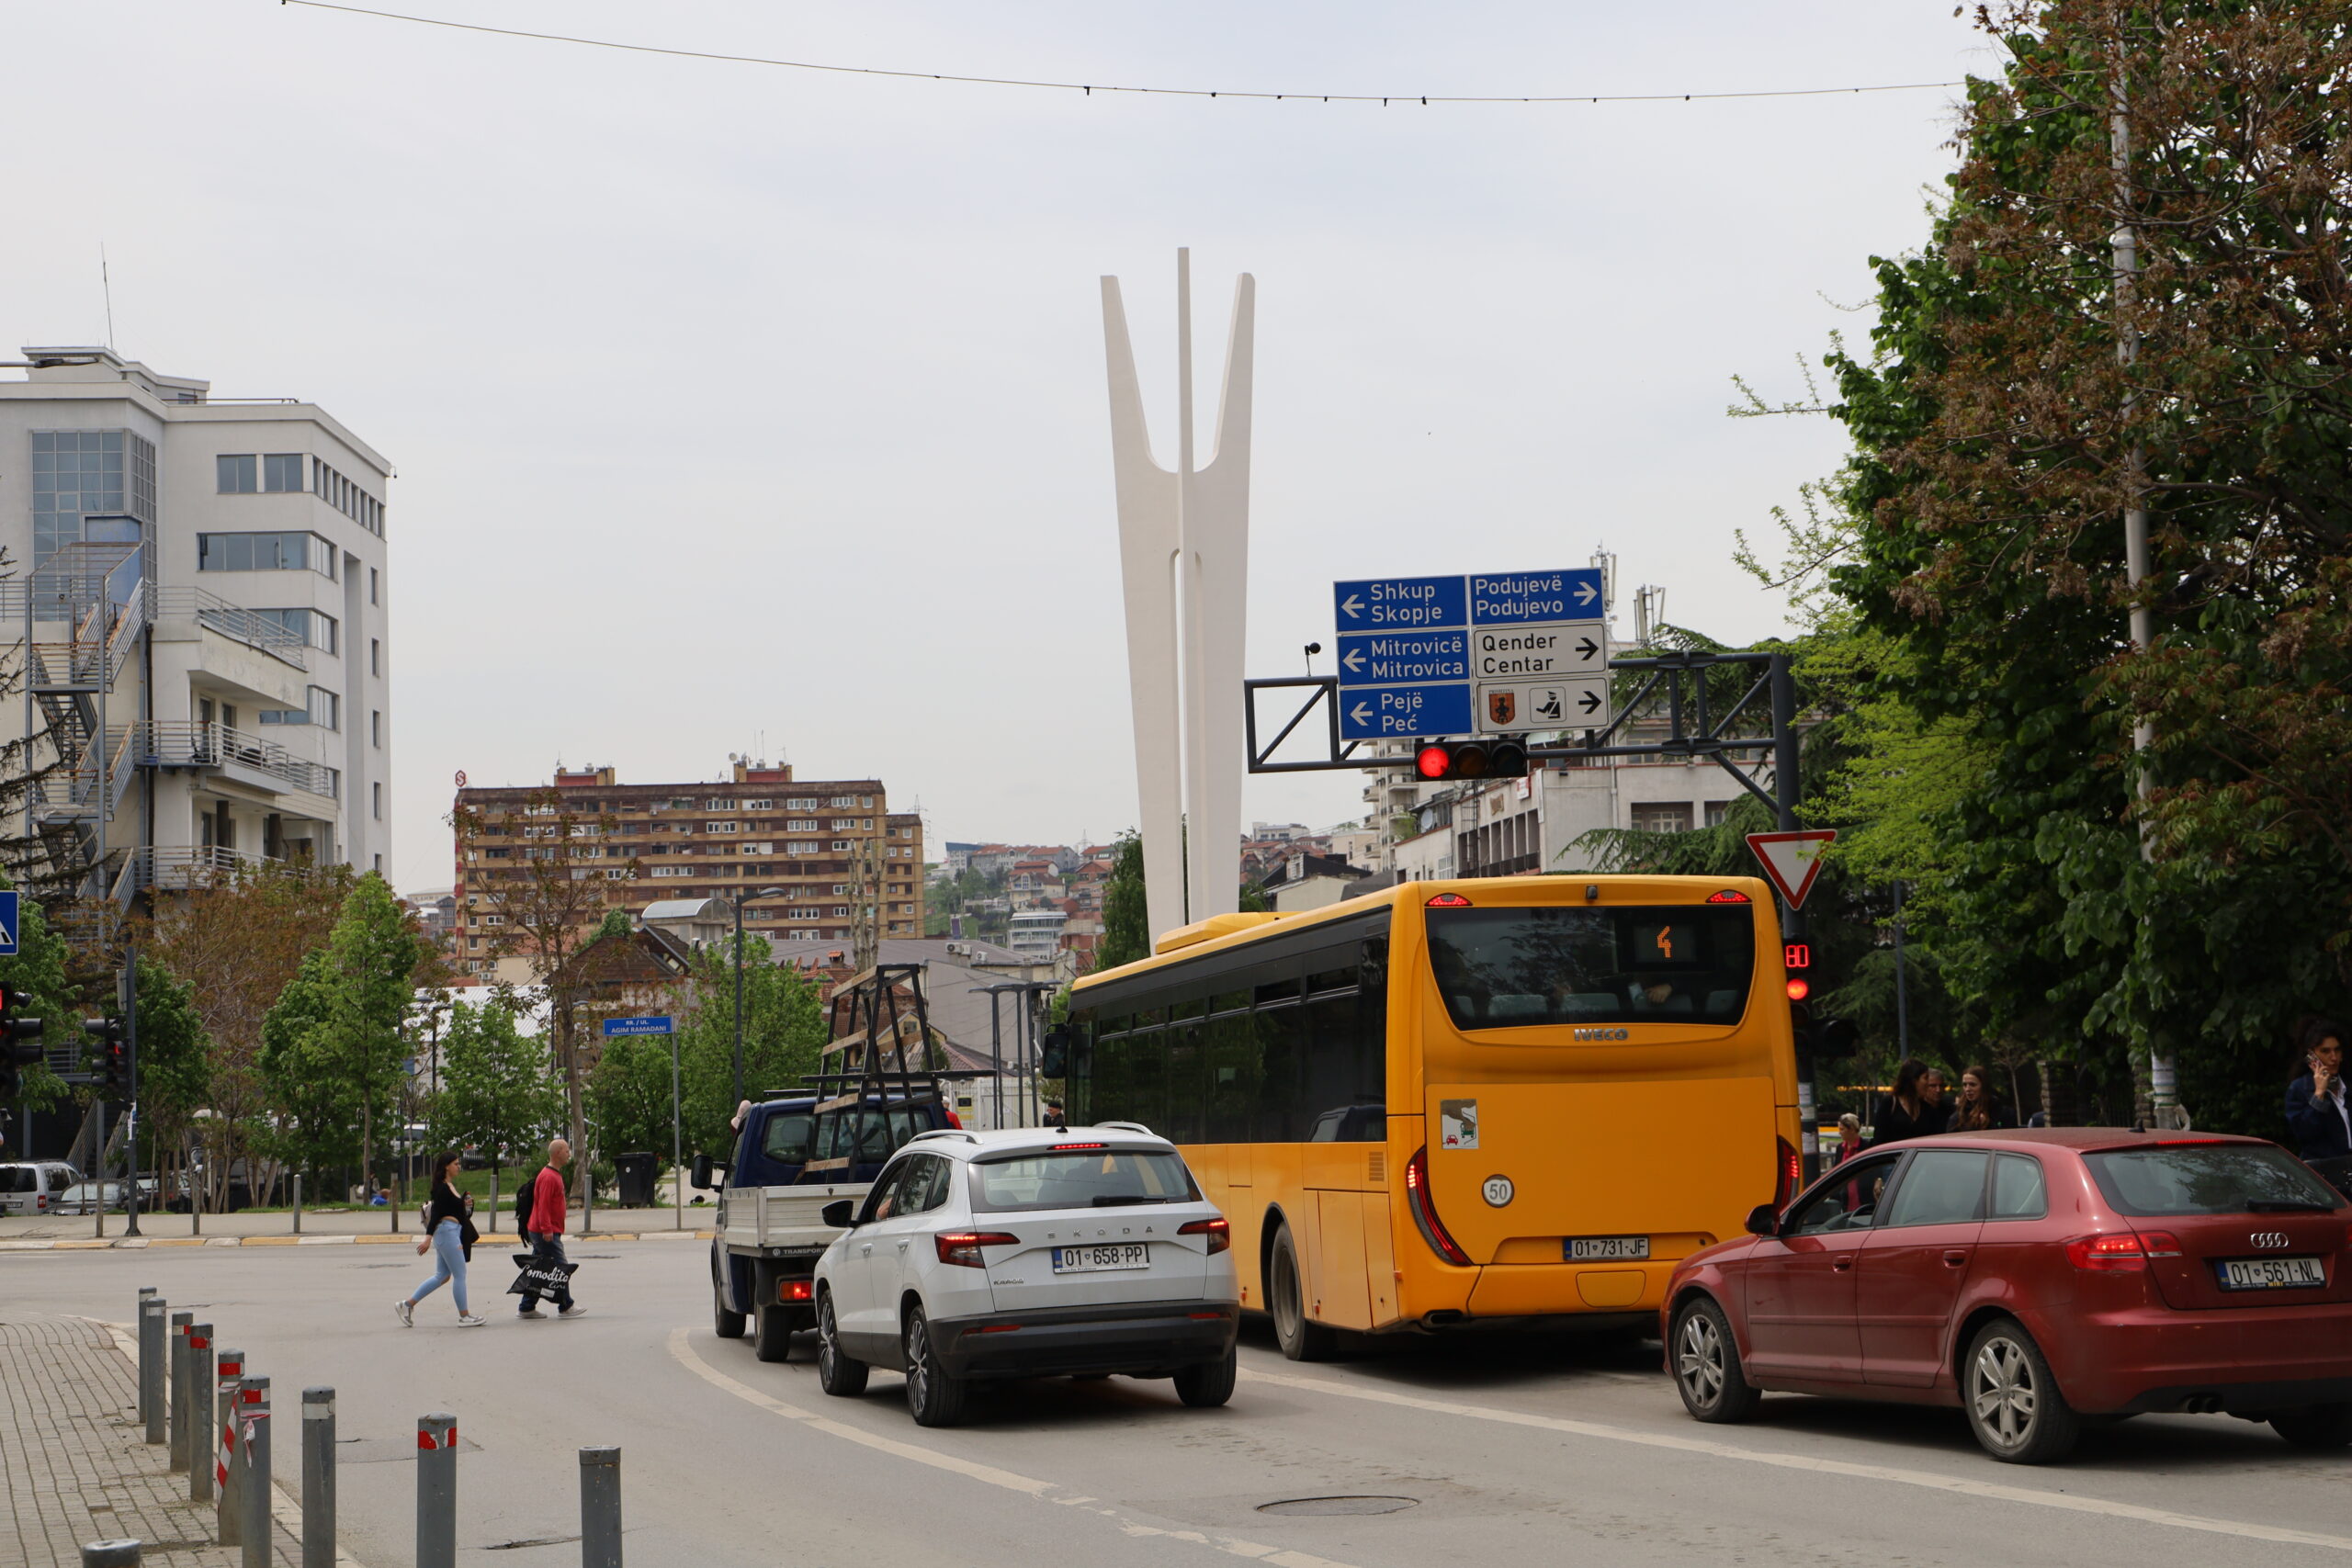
(1130, 1127)
(942, 1132)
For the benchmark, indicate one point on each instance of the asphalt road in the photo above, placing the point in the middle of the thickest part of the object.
(1493, 1450)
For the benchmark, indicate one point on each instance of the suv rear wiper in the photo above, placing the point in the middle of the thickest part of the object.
(1104, 1200)
(2287, 1206)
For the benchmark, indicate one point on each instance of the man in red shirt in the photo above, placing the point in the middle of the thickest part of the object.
(546, 1232)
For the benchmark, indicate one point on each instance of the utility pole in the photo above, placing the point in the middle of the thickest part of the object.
(129, 987)
(2124, 244)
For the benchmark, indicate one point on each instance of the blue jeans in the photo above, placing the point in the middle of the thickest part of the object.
(548, 1250)
(448, 1263)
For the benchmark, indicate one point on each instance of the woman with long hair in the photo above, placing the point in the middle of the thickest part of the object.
(1976, 1111)
(449, 1234)
(1909, 1114)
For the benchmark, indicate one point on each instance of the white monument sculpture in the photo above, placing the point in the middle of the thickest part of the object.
(1184, 556)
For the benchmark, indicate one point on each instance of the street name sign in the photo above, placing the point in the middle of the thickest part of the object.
(1500, 653)
(657, 1024)
(1792, 860)
(8, 909)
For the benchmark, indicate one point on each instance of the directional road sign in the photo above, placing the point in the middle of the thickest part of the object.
(8, 922)
(657, 1024)
(1502, 653)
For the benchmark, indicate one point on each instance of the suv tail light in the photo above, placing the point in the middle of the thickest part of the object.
(963, 1247)
(2122, 1250)
(1433, 1230)
(1219, 1231)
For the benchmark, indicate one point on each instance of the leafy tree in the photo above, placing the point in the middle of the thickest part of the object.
(496, 1093)
(1126, 924)
(315, 1098)
(174, 1064)
(784, 1032)
(39, 966)
(629, 1092)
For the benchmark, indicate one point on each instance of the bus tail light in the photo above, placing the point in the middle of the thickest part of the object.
(1729, 895)
(1416, 1187)
(963, 1247)
(1791, 1174)
(1219, 1231)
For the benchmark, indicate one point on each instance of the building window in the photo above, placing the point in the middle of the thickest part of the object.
(371, 585)
(238, 474)
(1662, 817)
(79, 474)
(347, 498)
(315, 627)
(379, 865)
(375, 647)
(1715, 809)
(264, 552)
(376, 801)
(281, 472)
(375, 729)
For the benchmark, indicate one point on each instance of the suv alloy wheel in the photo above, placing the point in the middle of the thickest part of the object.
(1706, 1365)
(2013, 1403)
(935, 1395)
(836, 1372)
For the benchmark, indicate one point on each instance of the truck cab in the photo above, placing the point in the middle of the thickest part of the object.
(790, 1159)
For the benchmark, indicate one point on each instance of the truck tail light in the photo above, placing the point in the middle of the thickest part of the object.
(1433, 1230)
(795, 1290)
(1219, 1231)
(963, 1247)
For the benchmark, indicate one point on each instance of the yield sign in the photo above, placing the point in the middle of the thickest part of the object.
(1792, 860)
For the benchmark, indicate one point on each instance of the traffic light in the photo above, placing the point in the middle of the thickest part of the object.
(110, 1056)
(14, 1031)
(1440, 760)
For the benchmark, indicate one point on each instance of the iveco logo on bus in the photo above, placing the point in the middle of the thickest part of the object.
(1603, 1035)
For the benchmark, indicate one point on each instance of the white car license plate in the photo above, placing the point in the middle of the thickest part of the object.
(2272, 1273)
(1096, 1260)
(1608, 1248)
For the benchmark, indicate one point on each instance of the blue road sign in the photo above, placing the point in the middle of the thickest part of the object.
(8, 922)
(1382, 713)
(1387, 659)
(1509, 599)
(1399, 603)
(658, 1025)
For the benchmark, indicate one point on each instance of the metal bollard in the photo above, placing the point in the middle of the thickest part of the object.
(437, 1490)
(600, 1508)
(177, 1413)
(151, 1366)
(200, 1413)
(229, 1380)
(318, 1478)
(252, 1441)
(297, 1202)
(111, 1554)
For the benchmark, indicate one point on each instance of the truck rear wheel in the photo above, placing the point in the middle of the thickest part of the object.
(725, 1323)
(772, 1333)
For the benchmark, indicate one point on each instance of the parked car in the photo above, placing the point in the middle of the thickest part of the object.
(2035, 1280)
(1029, 1252)
(90, 1197)
(33, 1187)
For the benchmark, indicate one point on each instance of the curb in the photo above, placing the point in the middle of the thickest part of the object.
(133, 1243)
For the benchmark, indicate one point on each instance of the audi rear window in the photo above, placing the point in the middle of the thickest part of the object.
(1081, 1178)
(2178, 1180)
(1515, 968)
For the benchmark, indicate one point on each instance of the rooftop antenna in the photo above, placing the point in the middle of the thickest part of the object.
(106, 286)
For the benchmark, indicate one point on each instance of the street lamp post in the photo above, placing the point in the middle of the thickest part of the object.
(762, 893)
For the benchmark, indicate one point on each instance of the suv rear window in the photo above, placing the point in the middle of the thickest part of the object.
(1513, 968)
(18, 1178)
(1081, 1178)
(2179, 1180)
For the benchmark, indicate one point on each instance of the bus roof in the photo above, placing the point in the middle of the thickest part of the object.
(1223, 932)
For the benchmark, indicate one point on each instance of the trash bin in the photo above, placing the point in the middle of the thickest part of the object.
(635, 1173)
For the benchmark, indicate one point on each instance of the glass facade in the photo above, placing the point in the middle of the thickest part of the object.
(264, 552)
(79, 474)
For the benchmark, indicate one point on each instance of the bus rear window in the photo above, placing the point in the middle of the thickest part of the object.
(1547, 966)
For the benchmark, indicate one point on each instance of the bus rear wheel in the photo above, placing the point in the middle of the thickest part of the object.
(1301, 1338)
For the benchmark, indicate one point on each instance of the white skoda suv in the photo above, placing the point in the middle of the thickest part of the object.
(1033, 1252)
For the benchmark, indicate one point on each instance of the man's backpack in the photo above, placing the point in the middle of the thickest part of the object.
(523, 1201)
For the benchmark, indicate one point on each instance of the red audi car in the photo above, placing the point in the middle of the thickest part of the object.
(2039, 1281)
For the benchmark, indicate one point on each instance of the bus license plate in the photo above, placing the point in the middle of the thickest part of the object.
(2272, 1274)
(1096, 1260)
(1608, 1248)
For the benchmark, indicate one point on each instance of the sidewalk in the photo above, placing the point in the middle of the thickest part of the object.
(24, 1233)
(77, 1467)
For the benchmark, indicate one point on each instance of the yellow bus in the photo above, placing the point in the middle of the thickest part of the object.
(1515, 1099)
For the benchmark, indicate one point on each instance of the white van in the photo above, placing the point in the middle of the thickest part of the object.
(33, 1187)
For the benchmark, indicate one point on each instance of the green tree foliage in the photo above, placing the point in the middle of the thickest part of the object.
(784, 1039)
(497, 1093)
(175, 1061)
(38, 967)
(1126, 919)
(315, 1101)
(628, 1094)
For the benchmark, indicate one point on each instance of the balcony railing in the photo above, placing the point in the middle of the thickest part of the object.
(251, 627)
(181, 868)
(183, 744)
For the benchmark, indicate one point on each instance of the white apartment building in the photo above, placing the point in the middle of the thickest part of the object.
(197, 597)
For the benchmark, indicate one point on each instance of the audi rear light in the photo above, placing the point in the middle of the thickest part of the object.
(2115, 1253)
(963, 1247)
(1791, 1174)
(1433, 1230)
(2160, 1244)
(1219, 1231)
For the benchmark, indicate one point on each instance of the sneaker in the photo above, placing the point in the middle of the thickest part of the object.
(467, 1320)
(406, 1311)
(531, 1313)
(573, 1312)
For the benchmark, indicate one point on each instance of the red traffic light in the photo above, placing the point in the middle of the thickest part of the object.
(1799, 988)
(1435, 761)
(1471, 760)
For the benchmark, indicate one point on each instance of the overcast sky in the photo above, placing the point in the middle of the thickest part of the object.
(741, 408)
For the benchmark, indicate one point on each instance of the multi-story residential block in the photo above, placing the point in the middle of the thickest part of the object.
(820, 842)
(200, 590)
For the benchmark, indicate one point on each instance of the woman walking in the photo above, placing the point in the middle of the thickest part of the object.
(449, 1231)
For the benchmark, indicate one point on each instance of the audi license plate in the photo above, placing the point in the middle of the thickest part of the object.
(1096, 1260)
(1607, 1248)
(2271, 1273)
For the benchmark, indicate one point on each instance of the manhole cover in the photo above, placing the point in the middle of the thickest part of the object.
(1339, 1505)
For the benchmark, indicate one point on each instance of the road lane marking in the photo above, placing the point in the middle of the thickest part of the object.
(1028, 1486)
(1992, 1490)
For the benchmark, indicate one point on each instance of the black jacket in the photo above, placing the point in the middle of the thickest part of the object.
(2316, 1131)
(448, 1204)
(1896, 1125)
